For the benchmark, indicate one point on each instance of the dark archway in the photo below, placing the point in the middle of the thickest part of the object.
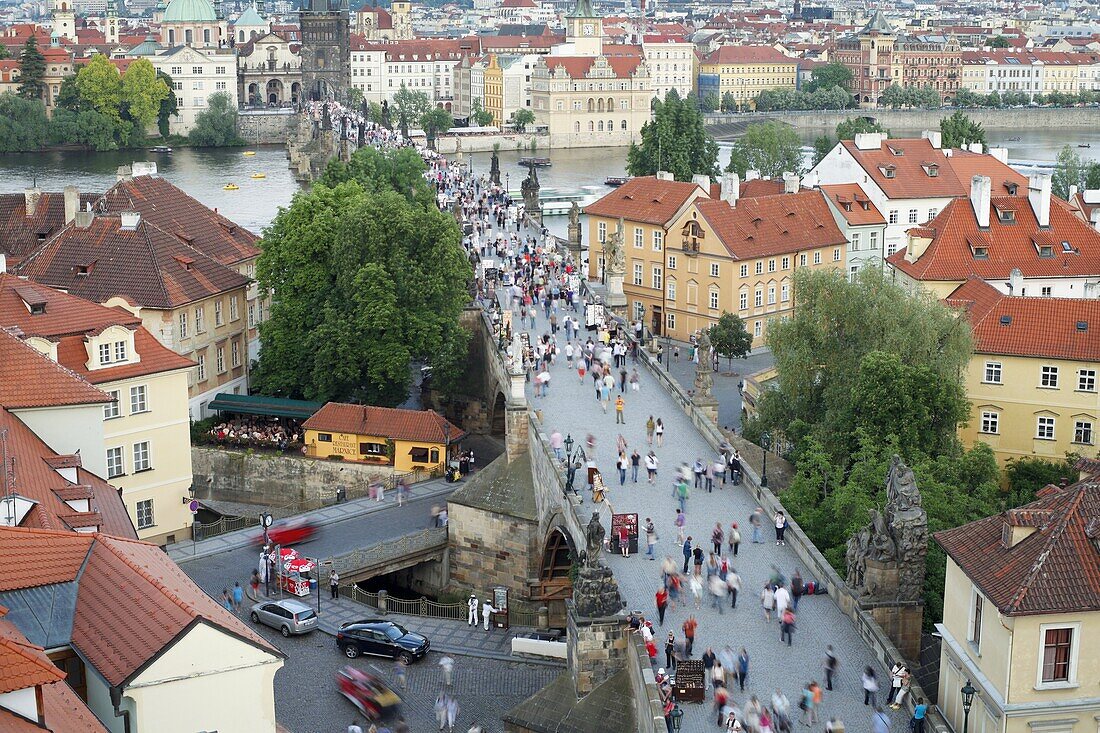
(556, 567)
(497, 417)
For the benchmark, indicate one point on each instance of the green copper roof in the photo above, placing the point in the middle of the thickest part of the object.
(250, 18)
(583, 9)
(190, 11)
(878, 23)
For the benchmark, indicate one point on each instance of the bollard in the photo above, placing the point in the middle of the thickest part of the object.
(382, 597)
(543, 618)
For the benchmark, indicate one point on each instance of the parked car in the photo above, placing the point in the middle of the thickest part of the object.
(366, 692)
(289, 616)
(381, 639)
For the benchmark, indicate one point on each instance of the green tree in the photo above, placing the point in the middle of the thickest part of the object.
(675, 140)
(832, 74)
(823, 145)
(1092, 176)
(363, 282)
(999, 42)
(435, 121)
(216, 126)
(83, 127)
(68, 96)
(730, 338)
(769, 147)
(479, 116)
(143, 92)
(894, 97)
(168, 106)
(521, 118)
(849, 128)
(23, 124)
(100, 86)
(1025, 476)
(409, 107)
(1068, 171)
(709, 102)
(959, 131)
(355, 97)
(4, 53)
(374, 112)
(729, 102)
(966, 98)
(32, 71)
(378, 171)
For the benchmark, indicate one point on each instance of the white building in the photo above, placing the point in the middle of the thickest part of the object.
(379, 70)
(516, 72)
(671, 62)
(196, 75)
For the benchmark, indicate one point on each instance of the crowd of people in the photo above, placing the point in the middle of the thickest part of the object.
(258, 432)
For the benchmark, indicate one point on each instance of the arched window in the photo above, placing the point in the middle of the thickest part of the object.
(610, 104)
(611, 125)
(576, 127)
(433, 455)
(591, 126)
(599, 105)
(591, 105)
(206, 35)
(624, 124)
(601, 126)
(187, 38)
(171, 36)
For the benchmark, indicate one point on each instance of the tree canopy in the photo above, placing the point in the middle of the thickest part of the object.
(521, 118)
(1071, 170)
(845, 130)
(23, 124)
(730, 338)
(435, 121)
(216, 126)
(143, 91)
(409, 107)
(479, 116)
(832, 74)
(32, 71)
(675, 140)
(897, 96)
(365, 278)
(958, 131)
(769, 147)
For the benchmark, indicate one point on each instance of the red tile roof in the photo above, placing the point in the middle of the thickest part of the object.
(624, 60)
(147, 265)
(20, 235)
(385, 422)
(767, 225)
(645, 199)
(1023, 326)
(967, 165)
(30, 379)
(1056, 569)
(909, 159)
(853, 204)
(58, 557)
(748, 55)
(1008, 246)
(23, 664)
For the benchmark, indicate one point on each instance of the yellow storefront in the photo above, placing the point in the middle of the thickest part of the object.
(408, 440)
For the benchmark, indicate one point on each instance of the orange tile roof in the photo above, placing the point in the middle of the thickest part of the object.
(20, 235)
(911, 179)
(29, 378)
(1029, 326)
(58, 557)
(967, 165)
(1009, 245)
(748, 55)
(23, 664)
(767, 225)
(385, 422)
(645, 199)
(623, 60)
(853, 204)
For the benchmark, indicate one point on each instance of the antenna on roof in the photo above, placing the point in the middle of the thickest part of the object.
(9, 480)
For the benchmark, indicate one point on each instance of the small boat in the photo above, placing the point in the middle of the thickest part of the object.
(231, 187)
(249, 152)
(537, 162)
(1084, 145)
(615, 181)
(160, 149)
(259, 175)
(1014, 139)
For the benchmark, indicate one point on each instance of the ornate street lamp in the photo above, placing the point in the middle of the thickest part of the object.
(765, 441)
(677, 716)
(968, 700)
(570, 465)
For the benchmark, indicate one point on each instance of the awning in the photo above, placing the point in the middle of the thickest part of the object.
(244, 404)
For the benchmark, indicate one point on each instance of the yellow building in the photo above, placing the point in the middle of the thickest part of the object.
(1032, 381)
(745, 71)
(1021, 616)
(494, 89)
(690, 258)
(407, 440)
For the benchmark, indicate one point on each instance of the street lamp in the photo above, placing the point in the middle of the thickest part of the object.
(968, 700)
(765, 440)
(507, 184)
(677, 716)
(570, 466)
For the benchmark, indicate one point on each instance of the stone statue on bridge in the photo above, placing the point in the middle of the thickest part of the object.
(704, 381)
(386, 121)
(575, 230)
(494, 168)
(595, 592)
(614, 255)
(886, 557)
(530, 189)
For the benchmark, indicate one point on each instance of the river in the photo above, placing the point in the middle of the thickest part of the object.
(202, 173)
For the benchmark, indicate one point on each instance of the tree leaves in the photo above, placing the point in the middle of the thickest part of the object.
(959, 131)
(216, 126)
(771, 148)
(676, 141)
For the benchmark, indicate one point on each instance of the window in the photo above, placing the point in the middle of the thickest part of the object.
(1048, 377)
(639, 237)
(196, 85)
(759, 300)
(932, 213)
(637, 273)
(251, 315)
(235, 350)
(199, 316)
(893, 218)
(1086, 380)
(657, 278)
(912, 216)
(786, 264)
(817, 258)
(120, 351)
(714, 269)
(974, 635)
(836, 254)
(771, 265)
(196, 69)
(220, 359)
(744, 270)
(1045, 291)
(219, 70)
(784, 292)
(183, 325)
(1059, 662)
(658, 240)
(111, 409)
(202, 367)
(141, 456)
(990, 422)
(145, 514)
(218, 313)
(177, 70)
(138, 401)
(219, 86)
(1082, 432)
(744, 300)
(756, 329)
(714, 300)
(670, 321)
(672, 262)
(759, 267)
(992, 372)
(855, 241)
(671, 289)
(802, 260)
(1045, 430)
(601, 230)
(104, 353)
(874, 240)
(114, 462)
(324, 437)
(234, 308)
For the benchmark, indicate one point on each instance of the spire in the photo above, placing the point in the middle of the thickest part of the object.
(878, 23)
(583, 9)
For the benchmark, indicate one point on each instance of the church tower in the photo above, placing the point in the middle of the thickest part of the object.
(64, 20)
(584, 29)
(110, 30)
(401, 16)
(326, 49)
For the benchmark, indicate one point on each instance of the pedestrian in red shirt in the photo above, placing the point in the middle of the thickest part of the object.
(689, 633)
(662, 604)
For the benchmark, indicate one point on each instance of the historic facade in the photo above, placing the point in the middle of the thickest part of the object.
(269, 71)
(326, 49)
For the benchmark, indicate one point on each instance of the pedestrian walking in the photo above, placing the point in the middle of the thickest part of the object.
(471, 606)
(662, 604)
(334, 584)
(733, 537)
(447, 664)
(798, 588)
(756, 521)
(682, 494)
(780, 527)
(254, 584)
(452, 713)
(697, 560)
(670, 651)
(622, 464)
(831, 665)
(238, 597)
(870, 686)
(635, 462)
(716, 537)
(767, 601)
(227, 602)
(659, 432)
(733, 582)
(401, 671)
(742, 668)
(651, 467)
(620, 419)
(806, 705)
(919, 711)
(650, 426)
(650, 538)
(689, 627)
(786, 626)
(718, 590)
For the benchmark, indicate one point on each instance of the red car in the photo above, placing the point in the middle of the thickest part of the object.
(367, 693)
(289, 532)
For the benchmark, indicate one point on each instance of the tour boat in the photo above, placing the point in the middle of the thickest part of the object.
(259, 175)
(537, 162)
(615, 181)
(160, 149)
(1015, 139)
(1084, 145)
(249, 152)
(231, 187)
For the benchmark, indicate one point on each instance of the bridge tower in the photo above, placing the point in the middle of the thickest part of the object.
(326, 49)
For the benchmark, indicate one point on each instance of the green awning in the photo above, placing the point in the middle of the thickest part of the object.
(256, 404)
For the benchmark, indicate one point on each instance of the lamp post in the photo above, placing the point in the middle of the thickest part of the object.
(677, 716)
(570, 467)
(765, 440)
(968, 700)
(507, 184)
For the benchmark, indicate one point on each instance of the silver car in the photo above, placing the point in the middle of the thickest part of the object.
(288, 616)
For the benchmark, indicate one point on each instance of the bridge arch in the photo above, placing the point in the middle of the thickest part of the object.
(497, 416)
(555, 582)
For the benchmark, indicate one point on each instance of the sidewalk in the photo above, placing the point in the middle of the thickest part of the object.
(187, 550)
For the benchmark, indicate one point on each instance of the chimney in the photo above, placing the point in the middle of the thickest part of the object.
(123, 173)
(1000, 154)
(751, 175)
(1072, 192)
(976, 148)
(130, 221)
(144, 168)
(1015, 281)
(980, 190)
(1094, 220)
(791, 182)
(72, 202)
(1038, 195)
(3, 262)
(30, 199)
(702, 181)
(665, 176)
(869, 140)
(933, 136)
(731, 188)
(83, 219)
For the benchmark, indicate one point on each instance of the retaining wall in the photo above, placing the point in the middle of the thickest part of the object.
(918, 119)
(265, 126)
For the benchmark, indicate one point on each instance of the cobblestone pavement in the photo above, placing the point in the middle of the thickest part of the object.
(572, 409)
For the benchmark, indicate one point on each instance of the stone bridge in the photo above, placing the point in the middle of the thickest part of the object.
(391, 556)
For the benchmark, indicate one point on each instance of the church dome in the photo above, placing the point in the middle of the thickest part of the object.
(190, 11)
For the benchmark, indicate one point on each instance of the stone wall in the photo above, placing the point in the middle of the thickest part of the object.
(648, 710)
(555, 508)
(266, 126)
(596, 649)
(489, 549)
(917, 119)
(276, 479)
(449, 145)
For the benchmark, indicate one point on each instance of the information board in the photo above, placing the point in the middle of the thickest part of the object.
(690, 683)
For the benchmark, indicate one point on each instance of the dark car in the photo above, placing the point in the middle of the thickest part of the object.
(381, 639)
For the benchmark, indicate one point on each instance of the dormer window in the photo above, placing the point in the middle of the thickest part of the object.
(889, 171)
(113, 353)
(692, 234)
(1006, 216)
(1011, 187)
(980, 253)
(1046, 251)
(82, 270)
(896, 152)
(1067, 248)
(37, 309)
(932, 169)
